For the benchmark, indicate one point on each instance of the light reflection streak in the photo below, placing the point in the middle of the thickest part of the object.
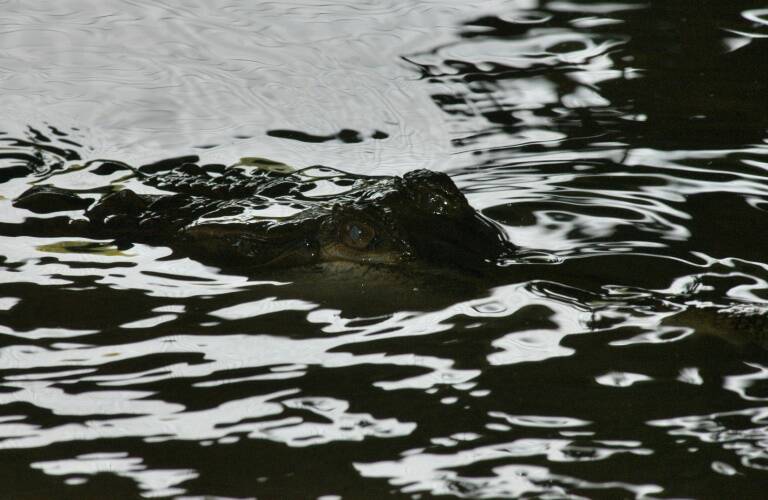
(743, 383)
(232, 419)
(154, 482)
(180, 278)
(428, 472)
(283, 358)
(743, 432)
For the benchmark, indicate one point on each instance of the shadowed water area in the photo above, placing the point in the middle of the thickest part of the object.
(564, 339)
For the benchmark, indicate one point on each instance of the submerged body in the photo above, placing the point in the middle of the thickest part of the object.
(739, 324)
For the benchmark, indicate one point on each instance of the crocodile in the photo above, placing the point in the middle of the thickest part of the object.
(740, 324)
(269, 217)
(262, 216)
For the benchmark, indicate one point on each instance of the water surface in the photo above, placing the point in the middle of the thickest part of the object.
(622, 146)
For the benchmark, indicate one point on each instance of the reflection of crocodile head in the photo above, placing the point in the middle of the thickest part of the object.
(267, 218)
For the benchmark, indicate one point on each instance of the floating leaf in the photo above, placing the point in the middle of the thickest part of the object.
(81, 246)
(265, 164)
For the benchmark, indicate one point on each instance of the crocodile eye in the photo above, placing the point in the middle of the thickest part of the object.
(357, 234)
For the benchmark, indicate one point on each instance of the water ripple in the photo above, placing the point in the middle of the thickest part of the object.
(620, 145)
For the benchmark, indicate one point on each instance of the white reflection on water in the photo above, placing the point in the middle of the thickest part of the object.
(42, 394)
(261, 307)
(743, 433)
(46, 333)
(743, 384)
(276, 358)
(208, 71)
(155, 483)
(532, 51)
(150, 322)
(427, 472)
(540, 421)
(227, 423)
(148, 269)
(621, 379)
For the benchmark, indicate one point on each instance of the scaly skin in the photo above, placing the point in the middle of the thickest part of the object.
(220, 217)
(738, 324)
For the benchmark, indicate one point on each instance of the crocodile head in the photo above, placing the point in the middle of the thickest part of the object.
(421, 216)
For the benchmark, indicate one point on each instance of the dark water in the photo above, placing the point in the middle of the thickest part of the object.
(623, 145)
